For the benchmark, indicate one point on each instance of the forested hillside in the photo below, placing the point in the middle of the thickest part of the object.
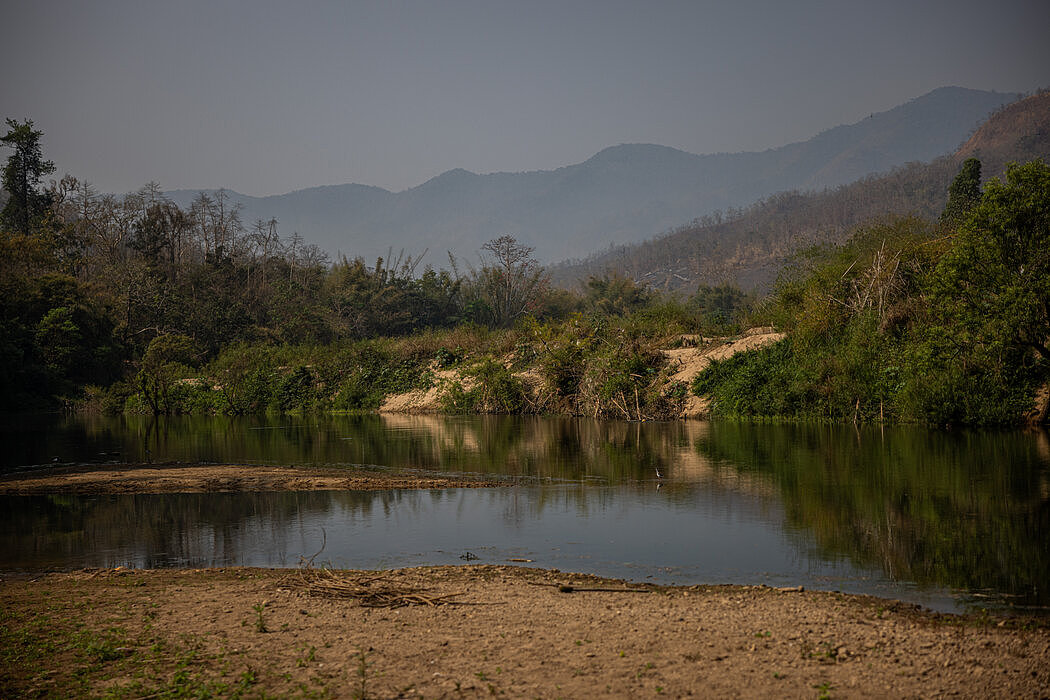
(749, 247)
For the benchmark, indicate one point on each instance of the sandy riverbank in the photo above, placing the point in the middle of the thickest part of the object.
(502, 631)
(215, 478)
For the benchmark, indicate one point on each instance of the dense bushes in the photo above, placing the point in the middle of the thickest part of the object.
(593, 365)
(911, 321)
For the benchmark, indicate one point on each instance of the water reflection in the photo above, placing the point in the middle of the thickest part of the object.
(700, 536)
(540, 448)
(967, 511)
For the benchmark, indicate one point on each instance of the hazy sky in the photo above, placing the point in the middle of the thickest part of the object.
(267, 97)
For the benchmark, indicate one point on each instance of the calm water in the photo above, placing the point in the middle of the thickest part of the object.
(948, 520)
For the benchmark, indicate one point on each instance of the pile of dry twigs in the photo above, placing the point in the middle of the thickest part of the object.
(371, 591)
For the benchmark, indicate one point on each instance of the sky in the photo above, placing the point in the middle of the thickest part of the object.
(268, 97)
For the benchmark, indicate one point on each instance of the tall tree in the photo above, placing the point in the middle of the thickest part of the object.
(21, 178)
(998, 276)
(987, 342)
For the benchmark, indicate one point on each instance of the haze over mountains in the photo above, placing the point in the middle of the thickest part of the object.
(624, 194)
(751, 247)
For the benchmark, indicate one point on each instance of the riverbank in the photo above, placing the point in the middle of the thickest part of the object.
(218, 478)
(680, 366)
(476, 631)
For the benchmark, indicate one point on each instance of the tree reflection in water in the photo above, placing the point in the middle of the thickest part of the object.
(965, 510)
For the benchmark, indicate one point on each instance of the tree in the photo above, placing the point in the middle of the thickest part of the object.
(615, 294)
(21, 178)
(963, 194)
(719, 304)
(997, 277)
(159, 235)
(166, 360)
(510, 284)
(986, 345)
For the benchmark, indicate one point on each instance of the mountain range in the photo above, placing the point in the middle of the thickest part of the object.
(623, 194)
(751, 246)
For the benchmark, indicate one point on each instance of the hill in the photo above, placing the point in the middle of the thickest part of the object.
(623, 194)
(749, 247)
(1018, 132)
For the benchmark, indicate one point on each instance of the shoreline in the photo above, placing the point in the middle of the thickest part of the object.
(476, 631)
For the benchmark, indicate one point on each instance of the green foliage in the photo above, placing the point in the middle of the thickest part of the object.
(27, 204)
(615, 295)
(963, 194)
(851, 309)
(193, 312)
(370, 301)
(599, 366)
(373, 371)
(984, 348)
(164, 375)
(245, 377)
(624, 378)
(388, 300)
(898, 324)
(445, 358)
(881, 268)
(738, 386)
(995, 282)
(720, 306)
(252, 378)
(493, 388)
(561, 351)
(53, 339)
(850, 375)
(975, 388)
(296, 391)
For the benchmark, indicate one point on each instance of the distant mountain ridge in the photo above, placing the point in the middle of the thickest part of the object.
(751, 247)
(623, 194)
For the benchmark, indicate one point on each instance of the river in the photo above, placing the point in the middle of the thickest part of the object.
(948, 520)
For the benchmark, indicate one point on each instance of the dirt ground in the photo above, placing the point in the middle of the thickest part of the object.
(479, 631)
(185, 478)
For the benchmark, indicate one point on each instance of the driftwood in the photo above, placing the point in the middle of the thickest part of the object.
(566, 588)
(574, 589)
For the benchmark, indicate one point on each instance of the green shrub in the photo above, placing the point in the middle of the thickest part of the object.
(494, 389)
(296, 391)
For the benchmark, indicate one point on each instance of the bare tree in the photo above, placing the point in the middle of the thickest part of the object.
(511, 282)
